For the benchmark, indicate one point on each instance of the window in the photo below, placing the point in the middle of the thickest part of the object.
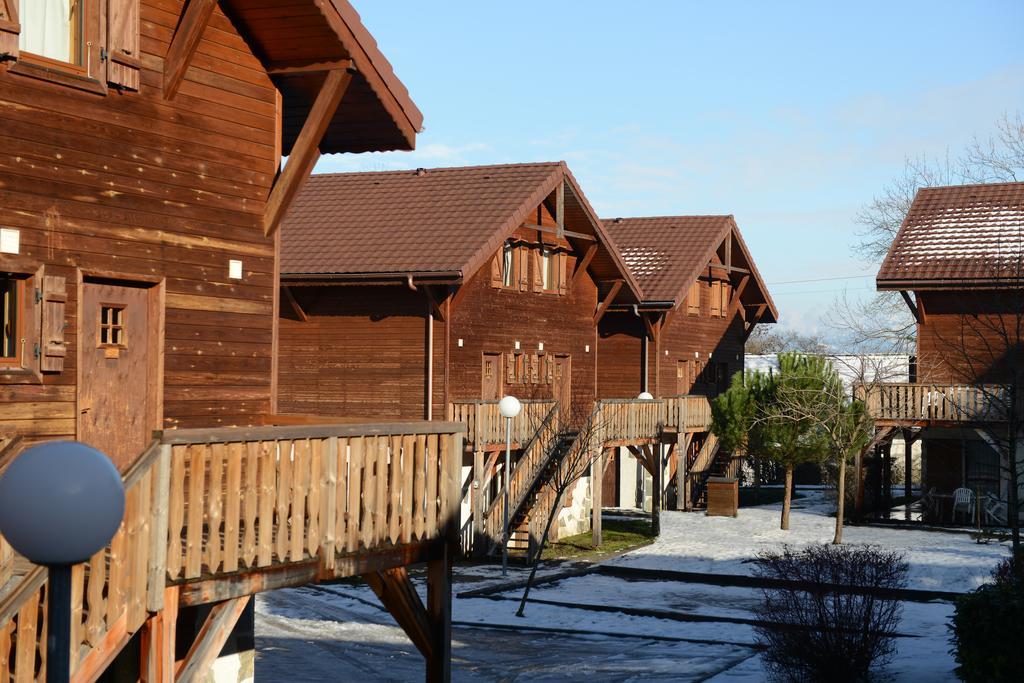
(11, 293)
(53, 29)
(547, 269)
(507, 262)
(112, 326)
(716, 299)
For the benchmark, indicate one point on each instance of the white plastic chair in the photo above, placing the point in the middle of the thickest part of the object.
(995, 510)
(963, 499)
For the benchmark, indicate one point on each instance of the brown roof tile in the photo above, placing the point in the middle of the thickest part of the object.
(667, 254)
(438, 220)
(962, 233)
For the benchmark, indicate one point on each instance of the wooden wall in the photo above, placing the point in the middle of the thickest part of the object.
(360, 353)
(714, 339)
(131, 184)
(970, 337)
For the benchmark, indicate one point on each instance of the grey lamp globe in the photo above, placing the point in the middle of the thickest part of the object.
(60, 502)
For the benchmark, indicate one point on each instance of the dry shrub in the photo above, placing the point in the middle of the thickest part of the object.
(819, 633)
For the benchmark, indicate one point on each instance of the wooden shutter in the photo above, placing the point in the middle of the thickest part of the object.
(716, 299)
(10, 29)
(51, 338)
(563, 267)
(510, 368)
(496, 263)
(538, 270)
(123, 59)
(523, 263)
(693, 299)
(534, 369)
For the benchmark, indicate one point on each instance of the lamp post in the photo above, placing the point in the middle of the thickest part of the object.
(509, 407)
(60, 503)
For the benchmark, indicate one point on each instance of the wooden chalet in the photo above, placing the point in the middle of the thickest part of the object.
(141, 190)
(431, 293)
(958, 262)
(702, 296)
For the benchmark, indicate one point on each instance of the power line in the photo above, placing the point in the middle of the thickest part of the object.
(820, 279)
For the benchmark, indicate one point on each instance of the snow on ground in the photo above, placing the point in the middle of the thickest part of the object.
(339, 632)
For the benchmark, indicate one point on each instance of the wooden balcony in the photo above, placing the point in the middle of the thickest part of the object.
(921, 405)
(486, 427)
(687, 413)
(214, 516)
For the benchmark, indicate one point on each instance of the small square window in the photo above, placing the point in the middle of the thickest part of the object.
(112, 326)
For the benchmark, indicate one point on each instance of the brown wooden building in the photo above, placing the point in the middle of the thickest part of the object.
(702, 296)
(958, 261)
(141, 189)
(404, 292)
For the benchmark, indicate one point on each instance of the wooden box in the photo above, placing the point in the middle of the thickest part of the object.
(723, 496)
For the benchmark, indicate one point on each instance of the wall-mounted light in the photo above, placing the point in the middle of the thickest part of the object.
(517, 346)
(540, 346)
(234, 269)
(460, 343)
(586, 349)
(10, 240)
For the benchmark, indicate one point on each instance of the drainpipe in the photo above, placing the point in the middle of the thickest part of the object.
(429, 401)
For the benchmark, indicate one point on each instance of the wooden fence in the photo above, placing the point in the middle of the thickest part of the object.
(908, 402)
(203, 503)
(630, 420)
(486, 427)
(687, 413)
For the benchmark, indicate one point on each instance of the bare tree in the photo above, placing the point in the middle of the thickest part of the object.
(766, 339)
(580, 445)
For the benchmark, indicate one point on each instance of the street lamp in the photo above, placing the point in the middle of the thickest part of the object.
(646, 396)
(509, 407)
(60, 503)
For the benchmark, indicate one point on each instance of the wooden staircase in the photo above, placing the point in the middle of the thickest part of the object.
(215, 516)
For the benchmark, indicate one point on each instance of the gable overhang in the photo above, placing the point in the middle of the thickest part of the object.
(299, 44)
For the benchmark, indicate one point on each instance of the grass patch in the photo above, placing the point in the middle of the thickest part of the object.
(618, 535)
(767, 496)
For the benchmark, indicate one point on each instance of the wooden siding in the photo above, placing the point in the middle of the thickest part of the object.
(149, 189)
(947, 354)
(359, 354)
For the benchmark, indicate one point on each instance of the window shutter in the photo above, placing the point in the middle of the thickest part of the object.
(524, 268)
(563, 267)
(510, 368)
(534, 369)
(496, 270)
(123, 59)
(51, 338)
(10, 29)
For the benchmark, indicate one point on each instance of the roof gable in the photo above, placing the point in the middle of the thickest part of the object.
(441, 220)
(960, 235)
(668, 253)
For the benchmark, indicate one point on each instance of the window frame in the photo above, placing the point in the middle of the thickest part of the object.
(110, 327)
(17, 361)
(509, 274)
(89, 74)
(548, 270)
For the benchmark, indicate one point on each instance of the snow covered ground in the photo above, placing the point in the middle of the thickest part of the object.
(685, 631)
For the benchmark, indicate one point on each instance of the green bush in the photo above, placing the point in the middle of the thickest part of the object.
(988, 630)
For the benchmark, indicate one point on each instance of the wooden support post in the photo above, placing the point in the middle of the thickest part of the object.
(656, 466)
(439, 611)
(583, 263)
(158, 642)
(908, 467)
(396, 592)
(608, 299)
(682, 457)
(477, 504)
(560, 208)
(306, 150)
(596, 497)
(184, 43)
(211, 639)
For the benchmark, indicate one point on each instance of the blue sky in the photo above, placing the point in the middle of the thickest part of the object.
(788, 115)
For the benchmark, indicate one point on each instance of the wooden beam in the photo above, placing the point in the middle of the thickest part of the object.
(158, 642)
(211, 639)
(753, 321)
(641, 456)
(290, 297)
(602, 308)
(737, 293)
(439, 611)
(434, 303)
(728, 250)
(306, 150)
(560, 208)
(916, 310)
(396, 592)
(102, 655)
(304, 67)
(732, 269)
(583, 263)
(554, 231)
(194, 19)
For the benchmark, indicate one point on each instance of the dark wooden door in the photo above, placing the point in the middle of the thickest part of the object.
(610, 483)
(561, 388)
(115, 393)
(490, 382)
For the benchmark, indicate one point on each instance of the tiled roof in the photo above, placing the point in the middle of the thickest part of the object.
(439, 220)
(961, 233)
(667, 254)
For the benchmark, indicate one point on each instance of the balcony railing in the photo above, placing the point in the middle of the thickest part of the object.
(486, 427)
(220, 505)
(688, 413)
(908, 402)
